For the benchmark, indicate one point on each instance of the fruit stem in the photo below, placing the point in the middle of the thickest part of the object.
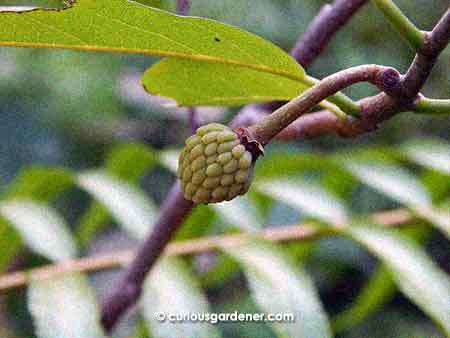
(270, 126)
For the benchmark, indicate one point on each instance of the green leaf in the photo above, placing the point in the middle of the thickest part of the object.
(305, 197)
(169, 159)
(433, 154)
(127, 203)
(64, 307)
(241, 213)
(392, 181)
(216, 85)
(172, 289)
(413, 271)
(41, 228)
(127, 162)
(128, 27)
(130, 161)
(379, 288)
(402, 187)
(278, 287)
(37, 183)
(196, 223)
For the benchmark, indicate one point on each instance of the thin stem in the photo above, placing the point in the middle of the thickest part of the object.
(183, 7)
(341, 100)
(271, 125)
(414, 36)
(432, 106)
(420, 69)
(284, 233)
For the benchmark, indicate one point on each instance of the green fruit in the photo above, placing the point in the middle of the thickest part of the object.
(214, 166)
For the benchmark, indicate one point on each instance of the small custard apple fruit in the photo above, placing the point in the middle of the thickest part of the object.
(214, 165)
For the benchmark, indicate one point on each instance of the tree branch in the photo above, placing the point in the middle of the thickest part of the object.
(326, 23)
(272, 124)
(125, 293)
(401, 23)
(301, 232)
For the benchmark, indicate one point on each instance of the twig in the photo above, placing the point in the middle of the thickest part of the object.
(284, 233)
(326, 23)
(183, 7)
(271, 125)
(401, 23)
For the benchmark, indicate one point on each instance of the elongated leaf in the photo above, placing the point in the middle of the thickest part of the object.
(307, 198)
(39, 184)
(401, 186)
(64, 307)
(374, 294)
(41, 228)
(392, 181)
(193, 83)
(278, 287)
(169, 159)
(239, 212)
(128, 204)
(432, 154)
(127, 162)
(413, 271)
(127, 27)
(171, 289)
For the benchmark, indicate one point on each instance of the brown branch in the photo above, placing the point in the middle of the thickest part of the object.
(308, 47)
(285, 233)
(324, 26)
(420, 69)
(183, 7)
(127, 290)
(272, 124)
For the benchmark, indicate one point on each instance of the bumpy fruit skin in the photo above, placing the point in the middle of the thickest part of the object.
(214, 166)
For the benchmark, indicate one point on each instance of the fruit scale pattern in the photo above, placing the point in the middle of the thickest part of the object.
(214, 165)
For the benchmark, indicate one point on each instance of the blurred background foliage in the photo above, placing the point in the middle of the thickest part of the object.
(72, 110)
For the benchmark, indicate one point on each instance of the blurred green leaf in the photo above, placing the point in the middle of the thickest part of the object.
(36, 183)
(393, 181)
(64, 307)
(413, 271)
(374, 294)
(240, 213)
(217, 85)
(147, 32)
(39, 183)
(172, 289)
(402, 187)
(127, 203)
(433, 154)
(380, 287)
(280, 287)
(41, 228)
(128, 163)
(305, 197)
(169, 159)
(292, 163)
(197, 223)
